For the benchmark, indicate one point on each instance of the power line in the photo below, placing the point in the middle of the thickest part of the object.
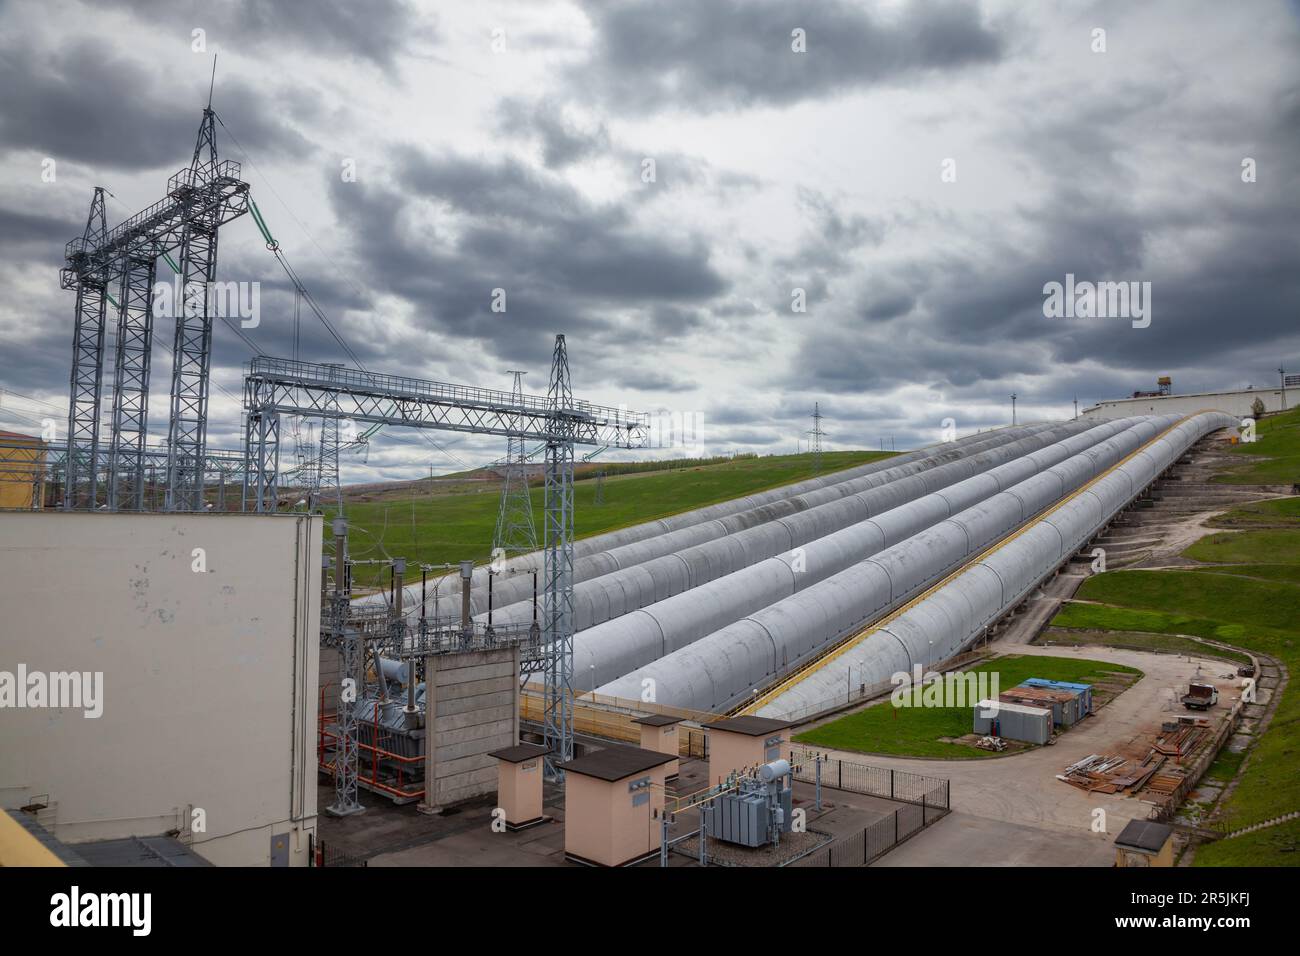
(301, 290)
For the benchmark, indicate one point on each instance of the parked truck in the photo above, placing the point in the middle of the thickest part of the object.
(1200, 696)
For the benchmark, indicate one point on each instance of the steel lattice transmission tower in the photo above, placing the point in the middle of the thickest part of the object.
(90, 278)
(815, 436)
(516, 533)
(557, 607)
(192, 346)
(200, 198)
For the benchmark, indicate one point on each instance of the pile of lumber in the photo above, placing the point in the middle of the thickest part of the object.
(1114, 773)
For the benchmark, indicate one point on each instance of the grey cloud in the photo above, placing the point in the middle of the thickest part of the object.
(375, 30)
(88, 104)
(652, 55)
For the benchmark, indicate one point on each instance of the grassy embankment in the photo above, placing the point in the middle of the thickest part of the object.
(1246, 593)
(455, 523)
(1274, 458)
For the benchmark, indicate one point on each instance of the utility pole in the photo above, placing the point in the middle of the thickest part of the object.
(1076, 406)
(815, 437)
(1013, 408)
(1281, 374)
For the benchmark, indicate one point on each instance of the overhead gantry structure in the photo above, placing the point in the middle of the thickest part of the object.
(275, 387)
(200, 199)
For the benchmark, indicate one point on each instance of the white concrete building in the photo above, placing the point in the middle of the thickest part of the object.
(1236, 403)
(196, 638)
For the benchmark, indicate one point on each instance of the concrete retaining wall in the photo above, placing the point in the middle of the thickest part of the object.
(473, 708)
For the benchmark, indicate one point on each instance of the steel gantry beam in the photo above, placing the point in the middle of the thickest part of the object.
(274, 387)
(288, 387)
(200, 198)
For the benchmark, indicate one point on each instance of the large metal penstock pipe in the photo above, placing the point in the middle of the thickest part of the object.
(659, 568)
(958, 614)
(722, 669)
(625, 643)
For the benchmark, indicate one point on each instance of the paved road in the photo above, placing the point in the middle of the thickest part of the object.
(1007, 807)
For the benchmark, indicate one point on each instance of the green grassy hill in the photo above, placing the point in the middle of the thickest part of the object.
(1274, 457)
(455, 523)
(919, 731)
(1249, 598)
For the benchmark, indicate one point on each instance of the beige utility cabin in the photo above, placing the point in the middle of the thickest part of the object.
(1145, 843)
(745, 743)
(519, 784)
(659, 733)
(613, 799)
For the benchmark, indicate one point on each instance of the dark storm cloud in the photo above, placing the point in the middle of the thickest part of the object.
(565, 263)
(23, 229)
(970, 323)
(653, 55)
(87, 104)
(562, 141)
(373, 30)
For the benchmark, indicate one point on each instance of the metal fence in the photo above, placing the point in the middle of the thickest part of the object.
(874, 841)
(928, 792)
(328, 855)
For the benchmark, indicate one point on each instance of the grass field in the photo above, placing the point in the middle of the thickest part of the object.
(456, 523)
(917, 731)
(1274, 458)
(1253, 603)
(1141, 641)
(1276, 512)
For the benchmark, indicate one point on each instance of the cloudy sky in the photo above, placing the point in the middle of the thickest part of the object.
(919, 170)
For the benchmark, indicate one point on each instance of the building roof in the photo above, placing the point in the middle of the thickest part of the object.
(751, 726)
(1144, 835)
(616, 762)
(1039, 693)
(658, 720)
(1004, 706)
(1044, 682)
(154, 851)
(519, 753)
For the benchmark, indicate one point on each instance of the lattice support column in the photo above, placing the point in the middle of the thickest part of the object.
(88, 342)
(192, 345)
(261, 462)
(516, 533)
(557, 604)
(126, 478)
